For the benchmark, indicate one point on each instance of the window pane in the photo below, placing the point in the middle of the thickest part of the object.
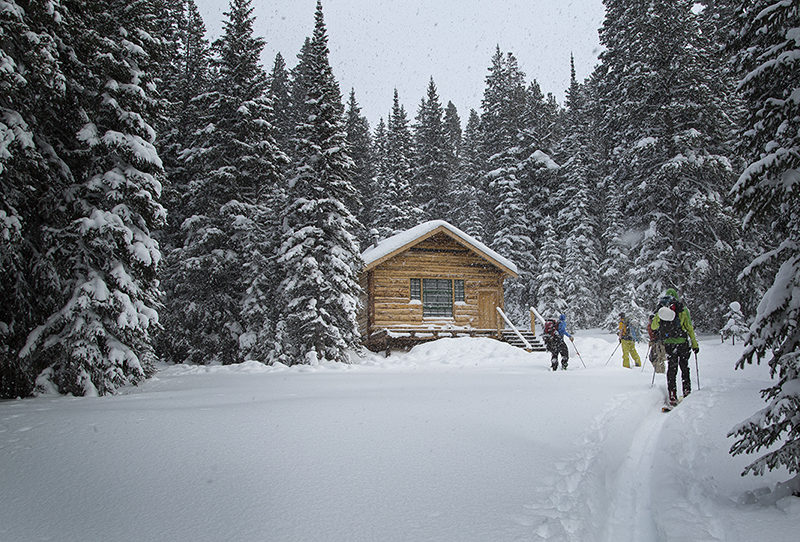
(437, 297)
(415, 293)
(458, 290)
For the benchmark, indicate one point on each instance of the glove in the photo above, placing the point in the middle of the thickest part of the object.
(695, 349)
(572, 339)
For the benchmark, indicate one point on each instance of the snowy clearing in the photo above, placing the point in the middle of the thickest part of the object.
(459, 439)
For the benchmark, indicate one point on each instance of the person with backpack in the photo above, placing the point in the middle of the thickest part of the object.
(673, 324)
(628, 336)
(554, 333)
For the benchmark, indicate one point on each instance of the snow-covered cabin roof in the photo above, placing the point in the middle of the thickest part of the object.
(391, 246)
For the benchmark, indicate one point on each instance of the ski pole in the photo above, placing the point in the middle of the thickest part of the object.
(581, 357)
(612, 353)
(653, 381)
(697, 370)
(647, 357)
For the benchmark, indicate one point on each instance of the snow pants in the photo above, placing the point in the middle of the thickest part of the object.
(678, 356)
(556, 346)
(658, 356)
(629, 351)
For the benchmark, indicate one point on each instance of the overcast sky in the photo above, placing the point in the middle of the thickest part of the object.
(379, 45)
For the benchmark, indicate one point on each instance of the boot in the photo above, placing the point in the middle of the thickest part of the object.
(673, 398)
(554, 365)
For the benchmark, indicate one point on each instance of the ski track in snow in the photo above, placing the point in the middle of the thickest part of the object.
(695, 511)
(631, 515)
(570, 505)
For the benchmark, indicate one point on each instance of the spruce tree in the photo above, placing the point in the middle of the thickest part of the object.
(280, 93)
(735, 326)
(398, 209)
(670, 130)
(319, 257)
(223, 264)
(576, 218)
(502, 119)
(453, 134)
(550, 298)
(768, 189)
(431, 169)
(34, 107)
(185, 76)
(381, 206)
(99, 337)
(468, 195)
(615, 266)
(359, 142)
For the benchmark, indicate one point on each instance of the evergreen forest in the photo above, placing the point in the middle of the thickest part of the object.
(166, 198)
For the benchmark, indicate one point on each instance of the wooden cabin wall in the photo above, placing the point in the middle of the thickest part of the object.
(436, 257)
(365, 308)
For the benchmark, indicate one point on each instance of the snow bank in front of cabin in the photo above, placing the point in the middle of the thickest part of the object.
(463, 439)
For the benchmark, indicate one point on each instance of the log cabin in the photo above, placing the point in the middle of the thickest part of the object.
(428, 282)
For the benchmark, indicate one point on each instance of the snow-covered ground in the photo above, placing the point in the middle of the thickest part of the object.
(457, 440)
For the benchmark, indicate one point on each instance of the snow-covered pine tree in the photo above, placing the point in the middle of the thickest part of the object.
(33, 176)
(735, 326)
(381, 206)
(539, 177)
(550, 299)
(280, 95)
(616, 283)
(236, 187)
(769, 46)
(577, 219)
(453, 134)
(468, 191)
(431, 167)
(319, 257)
(398, 211)
(99, 338)
(669, 129)
(184, 77)
(502, 120)
(359, 142)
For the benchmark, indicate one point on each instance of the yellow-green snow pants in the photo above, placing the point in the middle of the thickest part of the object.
(629, 350)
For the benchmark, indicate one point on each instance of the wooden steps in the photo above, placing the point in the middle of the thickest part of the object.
(510, 336)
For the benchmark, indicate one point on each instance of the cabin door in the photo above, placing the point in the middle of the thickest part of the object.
(487, 309)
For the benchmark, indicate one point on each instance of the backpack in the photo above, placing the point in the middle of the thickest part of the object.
(651, 333)
(551, 328)
(629, 333)
(635, 333)
(673, 329)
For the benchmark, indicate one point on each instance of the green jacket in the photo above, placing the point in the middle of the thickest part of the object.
(686, 323)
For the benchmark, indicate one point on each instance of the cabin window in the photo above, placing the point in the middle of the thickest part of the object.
(415, 290)
(437, 298)
(458, 290)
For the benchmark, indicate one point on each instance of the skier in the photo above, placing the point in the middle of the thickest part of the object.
(657, 353)
(673, 323)
(554, 341)
(627, 337)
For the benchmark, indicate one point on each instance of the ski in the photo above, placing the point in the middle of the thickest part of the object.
(668, 407)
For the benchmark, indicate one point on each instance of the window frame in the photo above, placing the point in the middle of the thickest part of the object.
(450, 294)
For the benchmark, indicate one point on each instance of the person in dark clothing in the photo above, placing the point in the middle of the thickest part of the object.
(554, 342)
(673, 323)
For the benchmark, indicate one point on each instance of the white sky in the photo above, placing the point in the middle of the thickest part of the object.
(377, 45)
